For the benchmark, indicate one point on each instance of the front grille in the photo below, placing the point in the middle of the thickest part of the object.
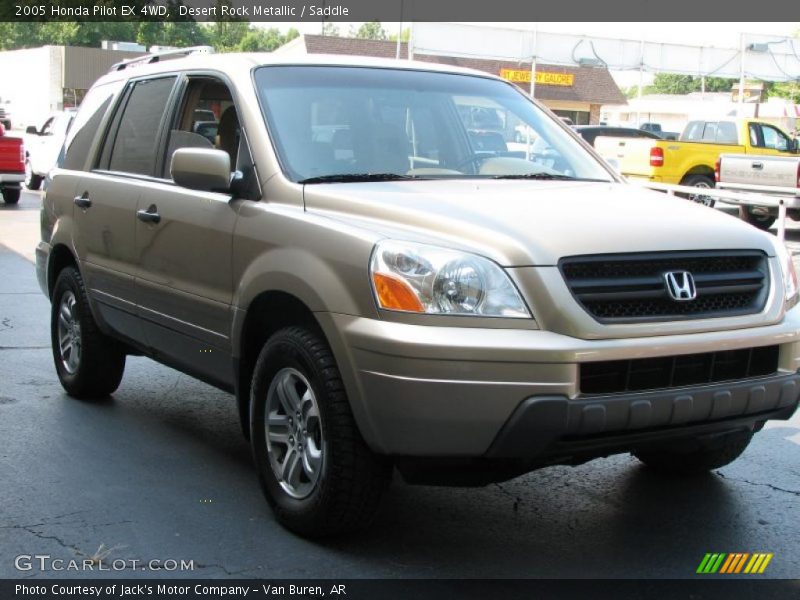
(631, 288)
(619, 376)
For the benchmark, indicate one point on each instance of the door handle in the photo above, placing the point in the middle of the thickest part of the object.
(758, 165)
(82, 200)
(150, 215)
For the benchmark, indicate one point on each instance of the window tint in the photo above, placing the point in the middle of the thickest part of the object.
(774, 139)
(87, 123)
(726, 133)
(693, 131)
(136, 141)
(710, 132)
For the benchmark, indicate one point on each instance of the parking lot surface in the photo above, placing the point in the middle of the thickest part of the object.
(161, 472)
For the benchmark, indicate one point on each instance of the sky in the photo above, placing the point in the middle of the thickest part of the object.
(720, 35)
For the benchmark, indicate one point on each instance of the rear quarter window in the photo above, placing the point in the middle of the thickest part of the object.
(86, 124)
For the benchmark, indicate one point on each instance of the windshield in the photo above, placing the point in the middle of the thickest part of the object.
(350, 123)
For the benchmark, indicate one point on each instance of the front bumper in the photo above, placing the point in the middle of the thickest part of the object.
(430, 391)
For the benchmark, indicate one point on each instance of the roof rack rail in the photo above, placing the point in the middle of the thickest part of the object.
(157, 56)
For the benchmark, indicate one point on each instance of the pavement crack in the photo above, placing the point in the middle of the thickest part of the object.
(24, 347)
(517, 500)
(760, 484)
(223, 568)
(55, 538)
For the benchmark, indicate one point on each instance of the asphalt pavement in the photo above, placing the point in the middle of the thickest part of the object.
(161, 472)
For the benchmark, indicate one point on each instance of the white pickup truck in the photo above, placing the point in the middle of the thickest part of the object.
(752, 173)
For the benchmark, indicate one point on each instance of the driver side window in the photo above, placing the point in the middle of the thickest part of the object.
(207, 118)
(774, 139)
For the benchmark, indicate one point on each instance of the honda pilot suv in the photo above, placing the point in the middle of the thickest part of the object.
(379, 294)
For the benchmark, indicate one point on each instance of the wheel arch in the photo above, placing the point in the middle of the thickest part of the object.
(702, 169)
(61, 256)
(268, 312)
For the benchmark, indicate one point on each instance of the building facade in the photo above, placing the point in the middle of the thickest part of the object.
(39, 81)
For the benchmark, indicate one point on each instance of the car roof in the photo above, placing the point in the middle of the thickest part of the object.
(245, 61)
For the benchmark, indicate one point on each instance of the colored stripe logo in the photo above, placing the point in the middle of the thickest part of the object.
(734, 562)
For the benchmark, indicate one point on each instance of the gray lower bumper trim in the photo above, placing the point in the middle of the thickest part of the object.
(543, 421)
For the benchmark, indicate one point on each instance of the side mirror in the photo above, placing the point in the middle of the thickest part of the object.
(31, 130)
(203, 169)
(793, 146)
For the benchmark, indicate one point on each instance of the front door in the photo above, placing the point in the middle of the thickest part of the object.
(184, 243)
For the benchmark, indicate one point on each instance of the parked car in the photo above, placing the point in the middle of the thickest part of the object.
(395, 299)
(591, 132)
(43, 144)
(656, 128)
(12, 167)
(690, 161)
(746, 172)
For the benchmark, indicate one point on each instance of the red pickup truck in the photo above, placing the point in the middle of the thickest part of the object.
(12, 167)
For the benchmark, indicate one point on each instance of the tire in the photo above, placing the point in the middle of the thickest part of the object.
(337, 485)
(696, 461)
(11, 195)
(763, 222)
(92, 368)
(32, 180)
(700, 181)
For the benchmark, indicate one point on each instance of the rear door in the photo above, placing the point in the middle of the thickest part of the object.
(106, 200)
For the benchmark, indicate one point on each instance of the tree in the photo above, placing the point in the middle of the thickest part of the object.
(671, 83)
(404, 35)
(370, 31)
(265, 40)
(330, 29)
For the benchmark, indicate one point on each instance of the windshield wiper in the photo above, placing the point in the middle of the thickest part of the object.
(357, 177)
(541, 176)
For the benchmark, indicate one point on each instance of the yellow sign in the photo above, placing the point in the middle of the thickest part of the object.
(542, 77)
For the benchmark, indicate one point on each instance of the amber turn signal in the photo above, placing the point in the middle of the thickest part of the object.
(396, 294)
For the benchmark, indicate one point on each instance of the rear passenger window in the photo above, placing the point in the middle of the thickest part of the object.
(726, 133)
(136, 140)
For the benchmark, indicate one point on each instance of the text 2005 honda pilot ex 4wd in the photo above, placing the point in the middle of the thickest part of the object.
(384, 286)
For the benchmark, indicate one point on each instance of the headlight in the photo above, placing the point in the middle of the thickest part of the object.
(789, 272)
(425, 279)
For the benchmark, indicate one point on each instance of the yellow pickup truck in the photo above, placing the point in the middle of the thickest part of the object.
(692, 158)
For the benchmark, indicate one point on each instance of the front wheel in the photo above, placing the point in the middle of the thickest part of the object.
(698, 460)
(757, 219)
(32, 180)
(704, 182)
(89, 364)
(315, 469)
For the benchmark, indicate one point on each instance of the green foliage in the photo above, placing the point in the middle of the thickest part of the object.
(370, 31)
(330, 29)
(224, 36)
(404, 35)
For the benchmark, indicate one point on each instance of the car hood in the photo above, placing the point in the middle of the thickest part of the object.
(524, 222)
